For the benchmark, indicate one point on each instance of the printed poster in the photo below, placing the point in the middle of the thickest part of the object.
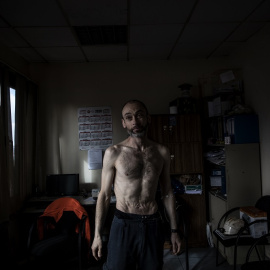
(95, 127)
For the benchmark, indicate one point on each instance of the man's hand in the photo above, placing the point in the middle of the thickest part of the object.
(97, 248)
(176, 243)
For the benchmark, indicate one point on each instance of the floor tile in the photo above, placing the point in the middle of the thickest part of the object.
(199, 259)
(204, 259)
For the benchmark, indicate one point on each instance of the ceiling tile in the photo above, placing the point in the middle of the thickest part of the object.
(151, 34)
(62, 54)
(105, 12)
(46, 36)
(223, 10)
(155, 51)
(32, 13)
(193, 50)
(157, 12)
(154, 27)
(3, 23)
(106, 53)
(227, 48)
(262, 13)
(245, 31)
(11, 38)
(29, 54)
(101, 35)
(207, 32)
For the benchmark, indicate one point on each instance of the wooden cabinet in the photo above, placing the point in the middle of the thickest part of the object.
(182, 135)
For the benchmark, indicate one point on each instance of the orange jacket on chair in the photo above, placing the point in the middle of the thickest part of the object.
(56, 209)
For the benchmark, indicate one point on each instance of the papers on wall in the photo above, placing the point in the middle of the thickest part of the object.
(95, 127)
(94, 159)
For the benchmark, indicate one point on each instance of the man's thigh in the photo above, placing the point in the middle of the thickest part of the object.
(121, 247)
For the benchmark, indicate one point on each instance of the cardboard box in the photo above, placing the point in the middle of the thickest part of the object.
(250, 214)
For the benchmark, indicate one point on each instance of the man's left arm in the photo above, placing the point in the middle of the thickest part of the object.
(169, 200)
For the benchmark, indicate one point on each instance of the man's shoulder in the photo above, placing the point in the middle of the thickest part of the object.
(115, 149)
(112, 149)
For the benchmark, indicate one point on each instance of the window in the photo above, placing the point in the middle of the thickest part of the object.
(13, 120)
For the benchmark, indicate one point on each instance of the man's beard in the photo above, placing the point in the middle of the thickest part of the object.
(138, 134)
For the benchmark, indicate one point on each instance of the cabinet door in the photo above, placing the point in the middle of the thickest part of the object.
(191, 155)
(243, 177)
(182, 135)
(192, 128)
(176, 158)
(195, 219)
(166, 128)
(157, 128)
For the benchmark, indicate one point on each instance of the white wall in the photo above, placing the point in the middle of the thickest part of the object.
(66, 87)
(254, 58)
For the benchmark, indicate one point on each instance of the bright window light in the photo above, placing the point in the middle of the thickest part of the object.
(12, 110)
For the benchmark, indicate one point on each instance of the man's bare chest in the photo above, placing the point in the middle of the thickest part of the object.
(143, 165)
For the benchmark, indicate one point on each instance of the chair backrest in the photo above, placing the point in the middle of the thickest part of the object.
(263, 240)
(65, 205)
(264, 204)
(68, 223)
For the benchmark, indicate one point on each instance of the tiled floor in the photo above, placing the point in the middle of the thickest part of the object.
(199, 259)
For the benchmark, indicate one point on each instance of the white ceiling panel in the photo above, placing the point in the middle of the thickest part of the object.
(149, 52)
(106, 53)
(160, 12)
(11, 38)
(194, 50)
(245, 31)
(48, 36)
(62, 54)
(207, 32)
(153, 34)
(227, 48)
(32, 13)
(3, 23)
(29, 54)
(262, 13)
(223, 10)
(98, 12)
(106, 30)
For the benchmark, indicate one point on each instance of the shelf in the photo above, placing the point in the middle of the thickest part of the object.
(219, 195)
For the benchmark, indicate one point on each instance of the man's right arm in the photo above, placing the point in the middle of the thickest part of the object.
(103, 201)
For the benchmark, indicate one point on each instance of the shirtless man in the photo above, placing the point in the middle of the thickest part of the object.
(135, 167)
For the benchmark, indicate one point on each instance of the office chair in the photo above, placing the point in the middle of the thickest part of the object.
(261, 263)
(241, 239)
(60, 236)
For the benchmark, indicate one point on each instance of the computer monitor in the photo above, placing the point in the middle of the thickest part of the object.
(62, 184)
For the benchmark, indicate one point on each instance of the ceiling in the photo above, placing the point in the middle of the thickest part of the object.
(52, 31)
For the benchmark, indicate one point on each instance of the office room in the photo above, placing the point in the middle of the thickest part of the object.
(161, 46)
